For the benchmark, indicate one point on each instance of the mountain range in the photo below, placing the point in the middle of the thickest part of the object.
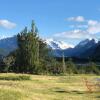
(7, 45)
(54, 44)
(86, 48)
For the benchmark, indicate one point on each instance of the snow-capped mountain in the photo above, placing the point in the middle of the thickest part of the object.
(9, 44)
(84, 49)
(58, 44)
(88, 42)
(80, 49)
(84, 46)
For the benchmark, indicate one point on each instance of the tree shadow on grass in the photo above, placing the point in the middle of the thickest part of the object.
(97, 96)
(77, 92)
(60, 90)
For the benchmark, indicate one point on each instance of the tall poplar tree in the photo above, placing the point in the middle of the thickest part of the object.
(63, 64)
(28, 50)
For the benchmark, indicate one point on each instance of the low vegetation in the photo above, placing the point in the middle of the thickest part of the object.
(42, 87)
(14, 78)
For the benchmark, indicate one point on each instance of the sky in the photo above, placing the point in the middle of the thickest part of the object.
(70, 21)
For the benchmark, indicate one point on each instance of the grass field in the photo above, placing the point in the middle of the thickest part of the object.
(39, 87)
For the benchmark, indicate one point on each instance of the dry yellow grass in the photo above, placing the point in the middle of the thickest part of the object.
(42, 87)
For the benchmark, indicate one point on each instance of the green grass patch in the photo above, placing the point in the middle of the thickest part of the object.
(10, 95)
(15, 78)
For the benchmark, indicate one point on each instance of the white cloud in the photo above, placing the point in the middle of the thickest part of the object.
(7, 24)
(74, 34)
(92, 22)
(93, 26)
(77, 19)
(94, 29)
(86, 29)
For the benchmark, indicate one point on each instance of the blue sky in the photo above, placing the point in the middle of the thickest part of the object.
(67, 20)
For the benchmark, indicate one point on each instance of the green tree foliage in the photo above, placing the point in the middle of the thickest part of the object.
(71, 68)
(93, 68)
(28, 50)
(55, 67)
(8, 63)
(33, 55)
(44, 56)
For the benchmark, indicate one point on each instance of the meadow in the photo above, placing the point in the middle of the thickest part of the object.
(43, 87)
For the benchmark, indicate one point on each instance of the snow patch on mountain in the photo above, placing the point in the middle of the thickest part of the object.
(88, 41)
(54, 44)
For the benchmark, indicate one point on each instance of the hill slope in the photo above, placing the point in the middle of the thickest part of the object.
(7, 45)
